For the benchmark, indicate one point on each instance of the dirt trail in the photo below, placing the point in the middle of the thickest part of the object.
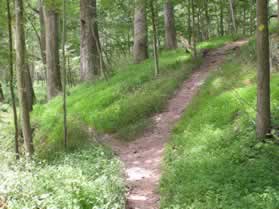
(142, 157)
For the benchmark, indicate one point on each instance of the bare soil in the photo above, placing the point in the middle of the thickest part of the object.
(142, 157)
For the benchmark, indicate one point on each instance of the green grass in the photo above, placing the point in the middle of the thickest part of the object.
(216, 42)
(87, 178)
(87, 175)
(119, 105)
(214, 159)
(6, 127)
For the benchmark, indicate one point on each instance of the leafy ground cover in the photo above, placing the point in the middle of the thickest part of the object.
(214, 159)
(119, 105)
(88, 178)
(122, 104)
(87, 175)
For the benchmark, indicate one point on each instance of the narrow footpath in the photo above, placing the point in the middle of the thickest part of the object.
(142, 157)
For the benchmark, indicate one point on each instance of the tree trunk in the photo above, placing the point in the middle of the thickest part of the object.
(198, 29)
(232, 16)
(170, 31)
(207, 17)
(1, 94)
(42, 33)
(64, 33)
(189, 22)
(30, 93)
(252, 18)
(54, 86)
(221, 18)
(89, 55)
(263, 70)
(140, 32)
(21, 67)
(11, 83)
(42, 37)
(194, 38)
(155, 48)
(244, 22)
(278, 10)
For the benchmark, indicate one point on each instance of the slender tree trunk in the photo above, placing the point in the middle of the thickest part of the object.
(42, 32)
(30, 93)
(89, 38)
(194, 29)
(221, 18)
(28, 77)
(278, 10)
(207, 17)
(252, 18)
(244, 21)
(155, 48)
(2, 98)
(198, 29)
(54, 86)
(43, 37)
(140, 50)
(11, 82)
(189, 22)
(263, 70)
(232, 16)
(101, 63)
(170, 30)
(64, 77)
(21, 67)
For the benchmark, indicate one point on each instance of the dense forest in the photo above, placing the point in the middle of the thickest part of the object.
(139, 104)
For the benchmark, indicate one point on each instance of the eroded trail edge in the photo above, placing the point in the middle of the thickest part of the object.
(142, 157)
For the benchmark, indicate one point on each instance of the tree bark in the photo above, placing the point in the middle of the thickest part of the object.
(198, 28)
(42, 36)
(189, 22)
(155, 48)
(252, 18)
(54, 86)
(263, 70)
(278, 10)
(221, 18)
(89, 38)
(11, 82)
(232, 16)
(140, 50)
(207, 17)
(1, 94)
(42, 32)
(244, 22)
(194, 38)
(170, 30)
(21, 67)
(30, 93)
(64, 33)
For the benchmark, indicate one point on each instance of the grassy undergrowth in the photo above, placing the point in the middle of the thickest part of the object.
(214, 159)
(119, 105)
(217, 42)
(90, 177)
(85, 179)
(87, 176)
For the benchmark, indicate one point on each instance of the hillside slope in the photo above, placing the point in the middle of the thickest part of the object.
(142, 158)
(214, 159)
(87, 175)
(121, 105)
